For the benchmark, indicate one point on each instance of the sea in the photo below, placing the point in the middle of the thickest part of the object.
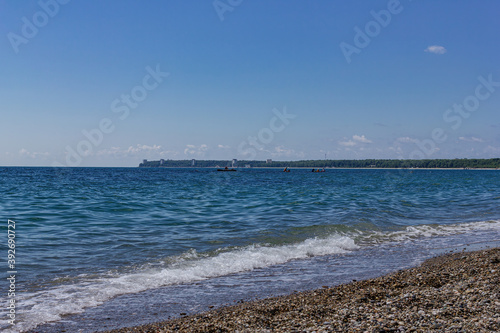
(104, 248)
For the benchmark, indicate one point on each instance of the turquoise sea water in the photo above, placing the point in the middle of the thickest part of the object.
(86, 237)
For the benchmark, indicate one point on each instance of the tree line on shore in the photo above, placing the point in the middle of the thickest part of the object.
(464, 163)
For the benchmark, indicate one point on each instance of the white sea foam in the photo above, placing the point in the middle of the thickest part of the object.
(50, 304)
(418, 231)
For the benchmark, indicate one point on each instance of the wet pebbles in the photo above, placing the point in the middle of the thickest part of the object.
(458, 292)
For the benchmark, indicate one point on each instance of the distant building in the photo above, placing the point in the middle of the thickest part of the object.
(162, 161)
(269, 160)
(144, 161)
(248, 166)
(192, 162)
(235, 161)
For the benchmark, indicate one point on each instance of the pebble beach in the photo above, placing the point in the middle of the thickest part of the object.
(456, 292)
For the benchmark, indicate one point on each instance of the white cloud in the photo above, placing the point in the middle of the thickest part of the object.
(223, 147)
(143, 148)
(281, 151)
(25, 153)
(111, 151)
(406, 139)
(355, 140)
(193, 150)
(361, 139)
(471, 139)
(348, 143)
(436, 49)
(137, 150)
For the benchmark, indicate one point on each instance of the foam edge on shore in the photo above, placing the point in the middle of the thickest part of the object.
(453, 292)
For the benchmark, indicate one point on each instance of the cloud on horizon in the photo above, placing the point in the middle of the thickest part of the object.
(193, 150)
(406, 139)
(471, 139)
(25, 153)
(354, 141)
(281, 151)
(137, 150)
(361, 139)
(348, 143)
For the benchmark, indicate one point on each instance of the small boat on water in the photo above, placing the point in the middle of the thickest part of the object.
(226, 169)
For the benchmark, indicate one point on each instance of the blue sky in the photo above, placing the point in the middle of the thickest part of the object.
(109, 83)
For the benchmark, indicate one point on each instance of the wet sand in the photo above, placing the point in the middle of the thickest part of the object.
(457, 292)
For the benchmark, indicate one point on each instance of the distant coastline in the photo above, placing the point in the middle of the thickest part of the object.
(459, 164)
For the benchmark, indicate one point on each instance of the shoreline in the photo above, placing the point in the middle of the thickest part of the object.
(243, 168)
(454, 292)
(327, 168)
